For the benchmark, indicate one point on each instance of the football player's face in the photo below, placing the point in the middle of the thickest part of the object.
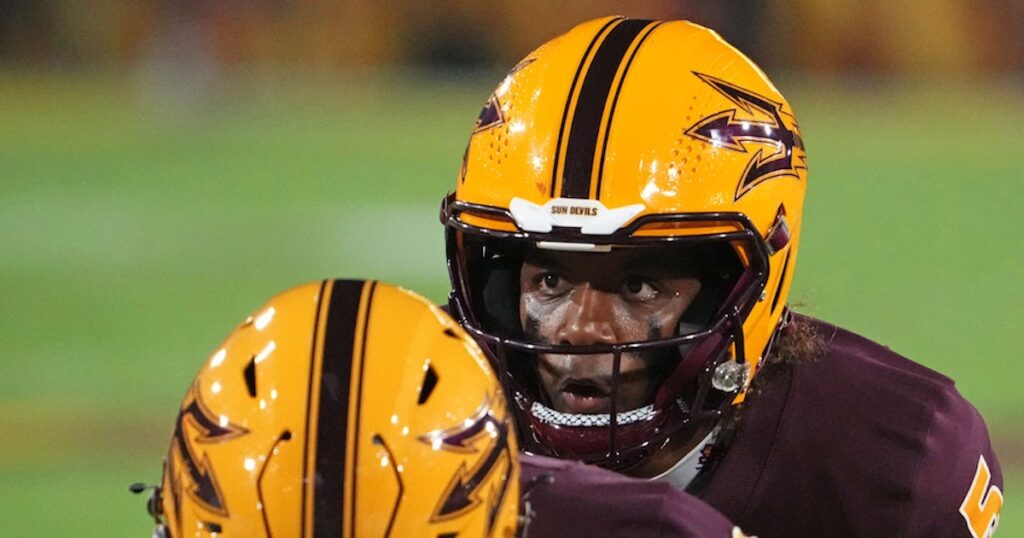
(625, 295)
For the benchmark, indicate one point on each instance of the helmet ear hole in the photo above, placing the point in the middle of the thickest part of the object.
(429, 382)
(250, 377)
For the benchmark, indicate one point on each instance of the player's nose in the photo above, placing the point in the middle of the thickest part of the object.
(588, 319)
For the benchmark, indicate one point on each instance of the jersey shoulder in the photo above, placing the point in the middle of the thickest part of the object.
(955, 482)
(875, 443)
(567, 498)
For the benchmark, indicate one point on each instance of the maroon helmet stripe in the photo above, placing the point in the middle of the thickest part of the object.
(586, 119)
(568, 101)
(615, 100)
(332, 415)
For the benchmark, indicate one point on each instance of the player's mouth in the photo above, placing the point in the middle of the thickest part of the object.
(582, 396)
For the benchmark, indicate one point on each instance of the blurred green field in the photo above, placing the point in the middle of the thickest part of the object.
(137, 228)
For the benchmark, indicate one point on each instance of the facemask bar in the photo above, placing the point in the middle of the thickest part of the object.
(613, 428)
(594, 349)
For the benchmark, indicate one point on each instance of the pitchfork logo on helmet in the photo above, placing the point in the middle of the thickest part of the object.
(628, 152)
(319, 416)
(463, 491)
(201, 483)
(725, 130)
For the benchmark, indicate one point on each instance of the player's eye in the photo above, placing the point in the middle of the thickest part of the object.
(552, 284)
(638, 289)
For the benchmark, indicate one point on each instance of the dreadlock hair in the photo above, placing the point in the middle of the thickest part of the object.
(798, 342)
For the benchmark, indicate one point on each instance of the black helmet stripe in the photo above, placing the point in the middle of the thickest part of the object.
(590, 107)
(568, 101)
(615, 100)
(330, 437)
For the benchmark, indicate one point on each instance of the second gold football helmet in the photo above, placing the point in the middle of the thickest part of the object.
(342, 408)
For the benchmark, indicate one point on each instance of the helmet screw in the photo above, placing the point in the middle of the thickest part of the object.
(729, 376)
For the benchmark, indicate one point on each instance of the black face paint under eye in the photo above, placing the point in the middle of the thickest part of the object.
(653, 328)
(660, 361)
(531, 329)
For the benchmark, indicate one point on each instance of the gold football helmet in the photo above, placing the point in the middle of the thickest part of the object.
(342, 408)
(631, 134)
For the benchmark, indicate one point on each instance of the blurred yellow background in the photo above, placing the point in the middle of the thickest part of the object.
(823, 35)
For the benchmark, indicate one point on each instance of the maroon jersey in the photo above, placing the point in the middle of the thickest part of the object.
(862, 442)
(566, 499)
